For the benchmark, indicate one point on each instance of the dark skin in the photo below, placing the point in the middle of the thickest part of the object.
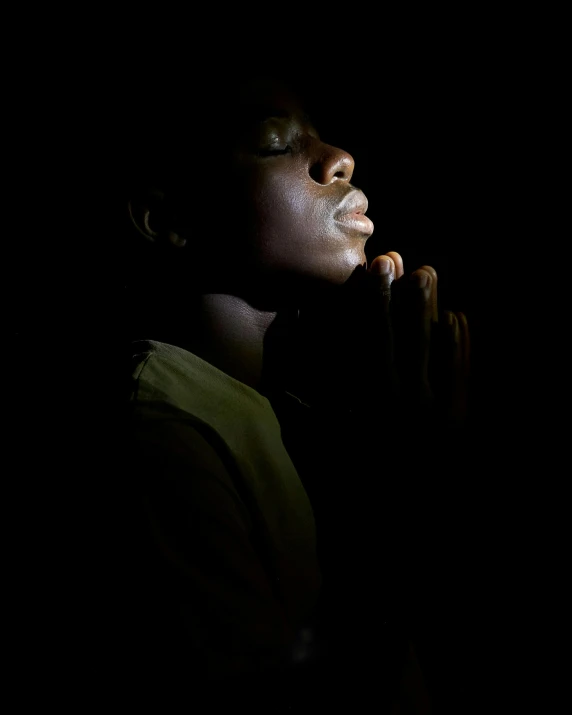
(293, 248)
(298, 237)
(290, 239)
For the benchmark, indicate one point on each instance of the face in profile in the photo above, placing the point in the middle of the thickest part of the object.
(306, 221)
(283, 218)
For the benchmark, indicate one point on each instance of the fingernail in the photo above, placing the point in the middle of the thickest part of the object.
(381, 268)
(450, 318)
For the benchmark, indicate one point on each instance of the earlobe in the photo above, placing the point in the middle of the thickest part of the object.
(176, 240)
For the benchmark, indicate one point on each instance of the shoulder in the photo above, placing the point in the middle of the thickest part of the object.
(183, 458)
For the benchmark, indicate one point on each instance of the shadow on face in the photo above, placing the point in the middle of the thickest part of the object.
(261, 205)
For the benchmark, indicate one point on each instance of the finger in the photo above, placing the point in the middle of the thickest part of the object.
(383, 268)
(458, 327)
(464, 341)
(433, 298)
(455, 336)
(398, 262)
(423, 281)
(375, 312)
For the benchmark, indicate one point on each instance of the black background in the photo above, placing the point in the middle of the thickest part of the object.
(453, 148)
(447, 124)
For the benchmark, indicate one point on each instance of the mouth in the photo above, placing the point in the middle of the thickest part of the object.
(351, 213)
(357, 222)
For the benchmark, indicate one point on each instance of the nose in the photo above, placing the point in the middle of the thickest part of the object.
(331, 164)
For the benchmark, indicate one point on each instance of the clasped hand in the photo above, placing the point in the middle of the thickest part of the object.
(382, 346)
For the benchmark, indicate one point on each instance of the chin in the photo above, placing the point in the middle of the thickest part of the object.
(356, 260)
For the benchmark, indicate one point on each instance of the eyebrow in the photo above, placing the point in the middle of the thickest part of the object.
(262, 114)
(305, 118)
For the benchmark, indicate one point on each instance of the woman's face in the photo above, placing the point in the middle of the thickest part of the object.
(296, 221)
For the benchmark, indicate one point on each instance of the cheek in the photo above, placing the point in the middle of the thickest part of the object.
(291, 229)
(286, 211)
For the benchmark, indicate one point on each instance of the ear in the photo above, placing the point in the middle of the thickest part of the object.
(149, 214)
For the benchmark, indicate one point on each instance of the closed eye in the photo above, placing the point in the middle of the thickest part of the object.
(275, 152)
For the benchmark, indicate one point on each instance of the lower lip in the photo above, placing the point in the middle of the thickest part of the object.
(357, 222)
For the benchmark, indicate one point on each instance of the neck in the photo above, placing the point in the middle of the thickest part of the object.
(246, 343)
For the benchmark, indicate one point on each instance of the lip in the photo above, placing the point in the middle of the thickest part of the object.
(357, 222)
(351, 213)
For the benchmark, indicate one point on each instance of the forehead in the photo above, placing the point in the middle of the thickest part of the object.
(266, 99)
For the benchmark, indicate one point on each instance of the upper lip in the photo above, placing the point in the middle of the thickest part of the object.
(354, 202)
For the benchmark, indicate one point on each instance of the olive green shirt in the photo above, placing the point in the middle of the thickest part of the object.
(225, 510)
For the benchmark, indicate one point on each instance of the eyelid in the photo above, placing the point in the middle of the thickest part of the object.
(274, 151)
